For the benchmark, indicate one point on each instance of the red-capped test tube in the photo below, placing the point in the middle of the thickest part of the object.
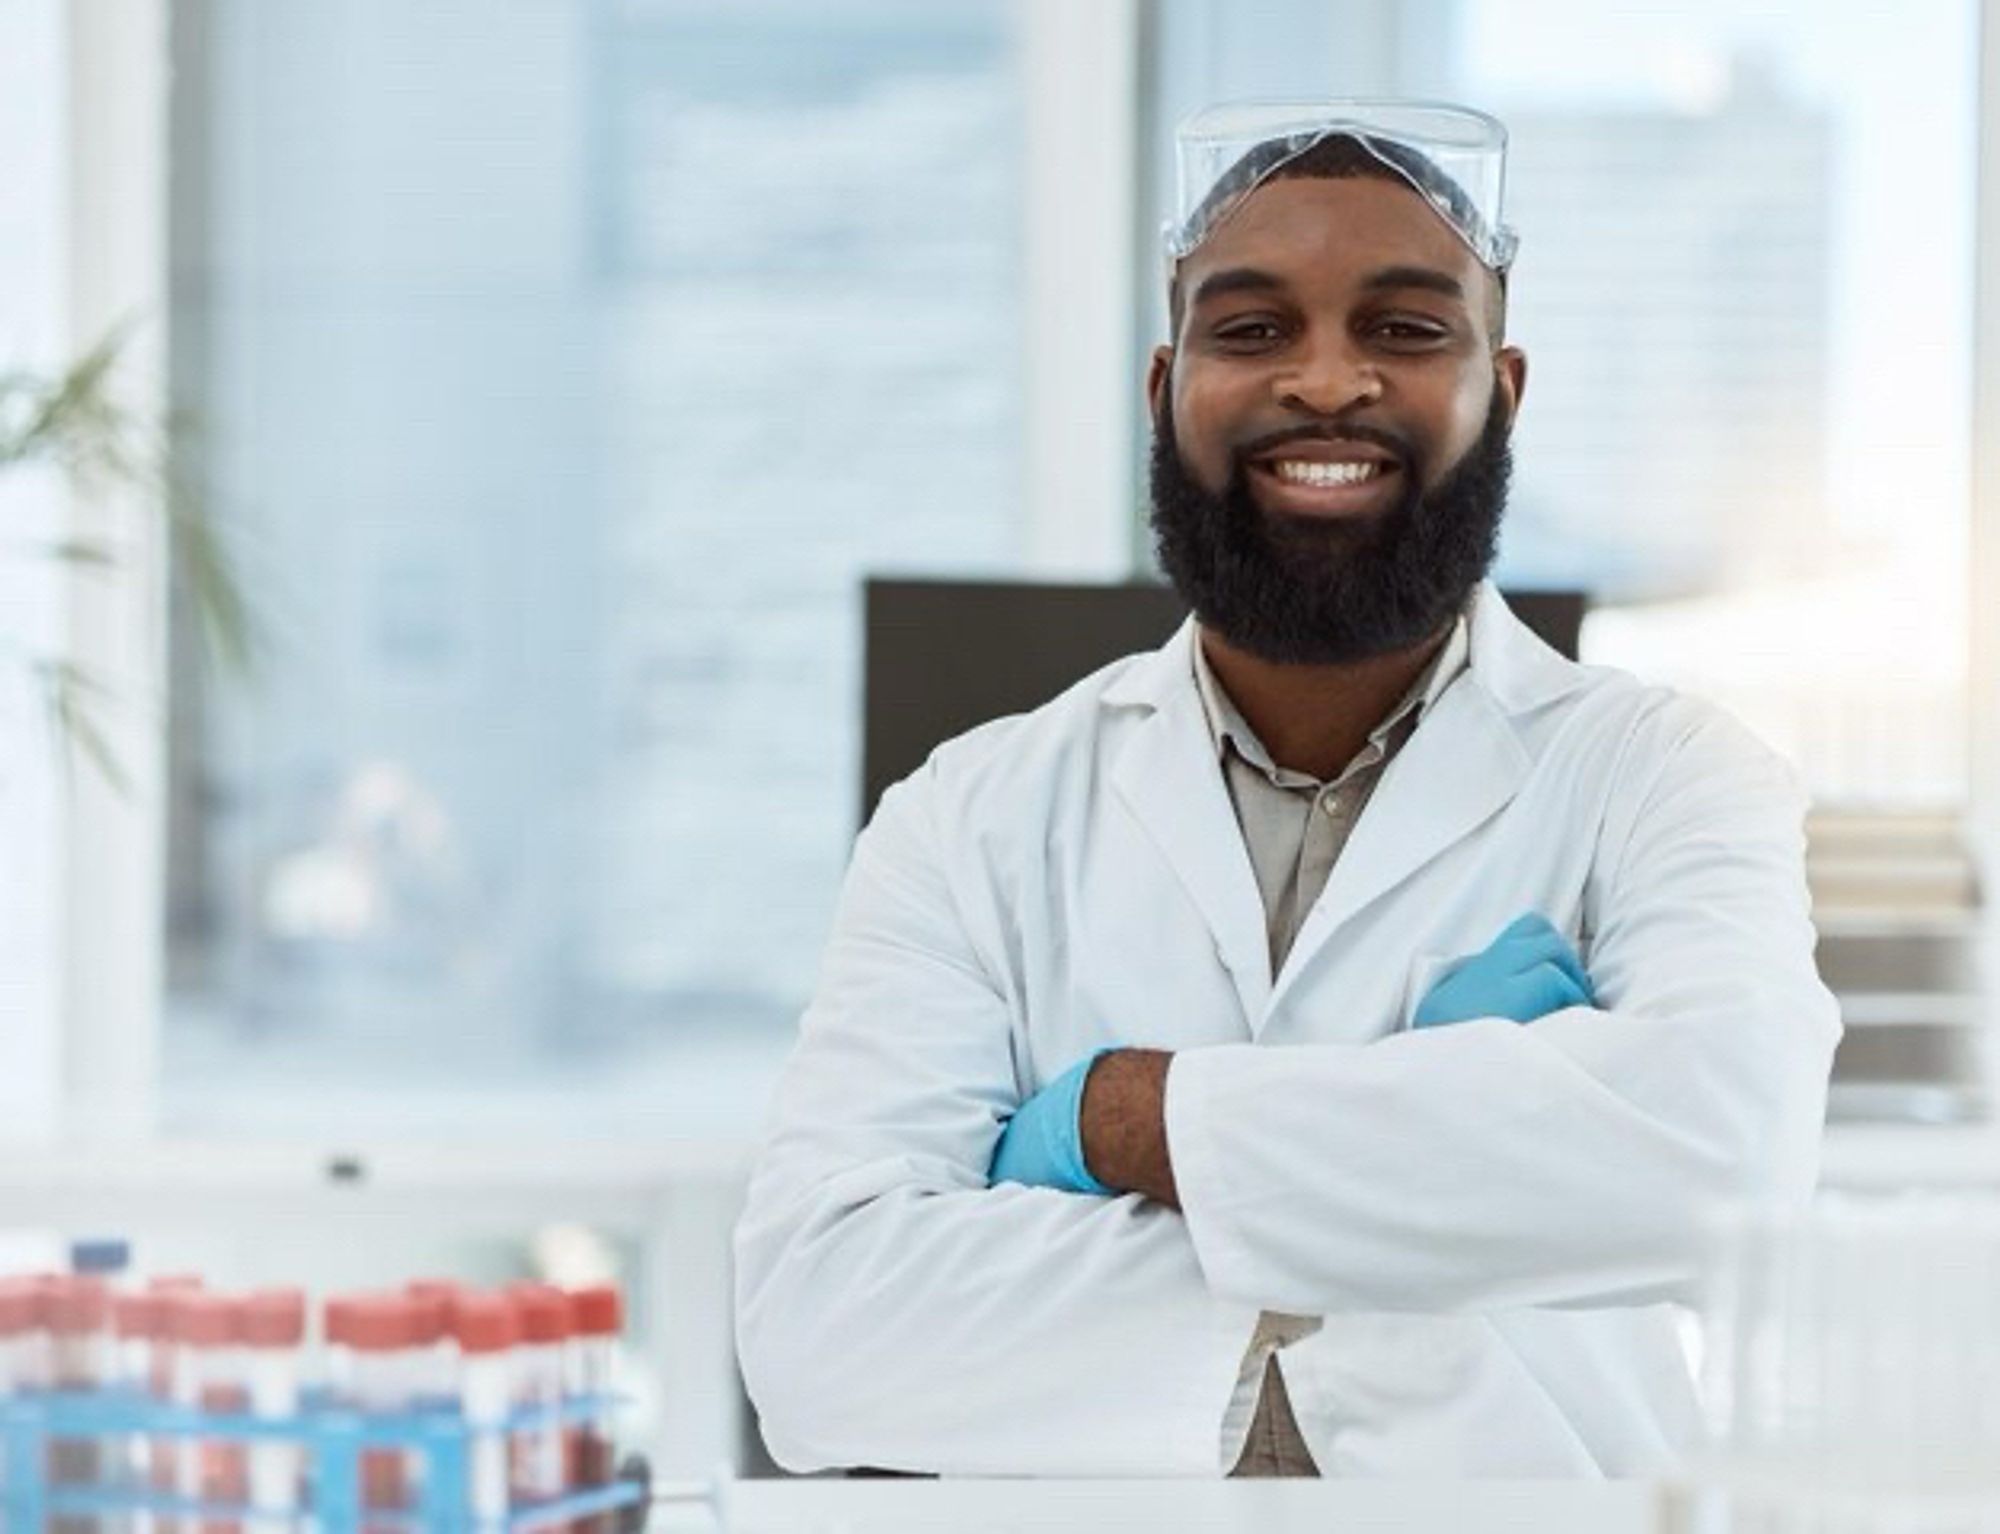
(487, 1333)
(17, 1320)
(34, 1357)
(379, 1333)
(208, 1378)
(542, 1312)
(337, 1351)
(135, 1326)
(17, 1326)
(78, 1314)
(430, 1383)
(38, 1350)
(435, 1385)
(274, 1332)
(168, 1456)
(597, 1317)
(79, 1321)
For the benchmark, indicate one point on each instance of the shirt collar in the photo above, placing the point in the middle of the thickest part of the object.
(1227, 727)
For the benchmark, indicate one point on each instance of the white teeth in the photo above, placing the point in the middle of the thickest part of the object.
(1304, 472)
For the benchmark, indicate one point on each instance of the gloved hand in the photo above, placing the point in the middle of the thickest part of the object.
(1526, 972)
(1041, 1144)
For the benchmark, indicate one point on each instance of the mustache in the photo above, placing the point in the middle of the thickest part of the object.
(1296, 594)
(1391, 442)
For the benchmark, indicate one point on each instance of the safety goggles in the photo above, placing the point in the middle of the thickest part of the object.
(1451, 156)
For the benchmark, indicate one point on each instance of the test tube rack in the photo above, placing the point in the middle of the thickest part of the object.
(332, 1440)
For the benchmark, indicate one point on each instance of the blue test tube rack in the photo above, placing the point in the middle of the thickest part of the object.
(332, 1440)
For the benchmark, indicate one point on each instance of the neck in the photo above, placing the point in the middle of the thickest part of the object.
(1315, 719)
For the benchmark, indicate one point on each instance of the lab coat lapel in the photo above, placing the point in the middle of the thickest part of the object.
(1168, 776)
(1463, 763)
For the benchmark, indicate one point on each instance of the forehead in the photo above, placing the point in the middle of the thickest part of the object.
(1309, 230)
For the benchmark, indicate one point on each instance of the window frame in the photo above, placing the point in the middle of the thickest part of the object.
(1983, 565)
(111, 837)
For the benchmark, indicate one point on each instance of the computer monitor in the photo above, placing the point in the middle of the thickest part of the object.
(945, 655)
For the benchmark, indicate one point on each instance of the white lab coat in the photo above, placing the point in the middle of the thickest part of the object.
(1495, 1220)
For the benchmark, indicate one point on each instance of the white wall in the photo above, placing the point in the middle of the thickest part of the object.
(32, 300)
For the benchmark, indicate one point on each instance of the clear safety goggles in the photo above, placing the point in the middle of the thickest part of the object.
(1453, 157)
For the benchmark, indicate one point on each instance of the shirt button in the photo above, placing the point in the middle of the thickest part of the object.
(1334, 806)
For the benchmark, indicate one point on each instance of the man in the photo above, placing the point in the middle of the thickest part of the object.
(1313, 1048)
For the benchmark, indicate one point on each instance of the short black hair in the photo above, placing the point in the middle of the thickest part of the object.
(1339, 157)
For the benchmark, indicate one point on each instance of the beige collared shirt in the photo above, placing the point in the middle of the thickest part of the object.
(1294, 828)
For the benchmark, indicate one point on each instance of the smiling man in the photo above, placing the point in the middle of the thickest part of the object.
(1315, 1047)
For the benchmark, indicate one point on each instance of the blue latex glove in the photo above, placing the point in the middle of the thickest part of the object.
(1041, 1144)
(1526, 972)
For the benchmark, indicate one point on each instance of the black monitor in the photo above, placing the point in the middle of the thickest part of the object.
(943, 655)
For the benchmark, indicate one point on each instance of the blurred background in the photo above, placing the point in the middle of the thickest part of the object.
(554, 372)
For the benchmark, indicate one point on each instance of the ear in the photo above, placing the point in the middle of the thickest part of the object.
(1510, 376)
(1158, 374)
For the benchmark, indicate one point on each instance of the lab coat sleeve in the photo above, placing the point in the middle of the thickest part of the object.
(895, 1311)
(1572, 1161)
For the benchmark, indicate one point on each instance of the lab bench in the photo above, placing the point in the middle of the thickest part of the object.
(676, 1200)
(1186, 1507)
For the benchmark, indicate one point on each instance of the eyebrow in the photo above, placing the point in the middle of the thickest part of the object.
(1250, 279)
(1426, 277)
(1235, 279)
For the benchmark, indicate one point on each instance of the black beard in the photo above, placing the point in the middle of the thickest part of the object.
(1297, 590)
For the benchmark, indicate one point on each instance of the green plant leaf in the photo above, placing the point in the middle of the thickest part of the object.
(79, 551)
(76, 423)
(71, 695)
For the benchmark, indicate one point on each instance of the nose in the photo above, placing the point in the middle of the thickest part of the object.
(1329, 376)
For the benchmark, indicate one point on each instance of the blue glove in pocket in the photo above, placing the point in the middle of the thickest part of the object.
(1532, 939)
(1528, 971)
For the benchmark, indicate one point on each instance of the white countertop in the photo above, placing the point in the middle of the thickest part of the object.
(1150, 1507)
(1855, 1155)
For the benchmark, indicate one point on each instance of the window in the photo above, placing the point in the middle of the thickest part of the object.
(1748, 290)
(562, 379)
(1745, 289)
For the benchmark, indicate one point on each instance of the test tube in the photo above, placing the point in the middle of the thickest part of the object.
(429, 1364)
(135, 1324)
(104, 1260)
(378, 1331)
(33, 1367)
(208, 1377)
(437, 1383)
(18, 1304)
(487, 1334)
(336, 1327)
(17, 1321)
(542, 1312)
(17, 1313)
(168, 1454)
(79, 1329)
(597, 1316)
(274, 1331)
(36, 1359)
